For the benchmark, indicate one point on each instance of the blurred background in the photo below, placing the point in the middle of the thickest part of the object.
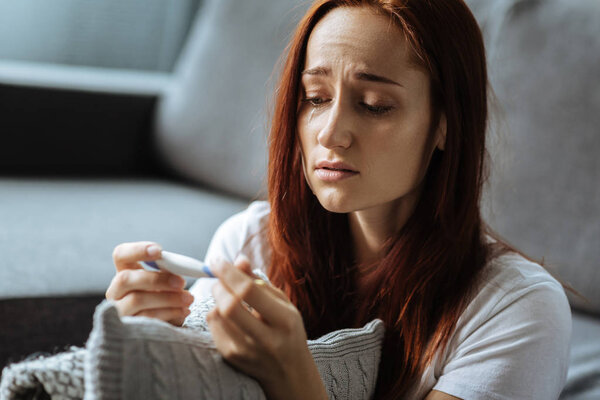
(142, 35)
(122, 121)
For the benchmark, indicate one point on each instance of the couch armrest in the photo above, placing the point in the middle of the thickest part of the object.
(77, 120)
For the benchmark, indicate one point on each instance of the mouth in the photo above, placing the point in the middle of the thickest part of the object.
(337, 169)
(335, 165)
(332, 175)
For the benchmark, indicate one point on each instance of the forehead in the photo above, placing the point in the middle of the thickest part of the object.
(360, 37)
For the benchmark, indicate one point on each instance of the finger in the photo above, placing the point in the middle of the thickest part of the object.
(127, 255)
(129, 280)
(231, 308)
(135, 302)
(272, 289)
(243, 264)
(271, 307)
(233, 344)
(174, 316)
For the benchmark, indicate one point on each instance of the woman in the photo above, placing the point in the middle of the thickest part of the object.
(376, 166)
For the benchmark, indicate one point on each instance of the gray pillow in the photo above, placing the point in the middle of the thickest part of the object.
(211, 125)
(544, 193)
(143, 358)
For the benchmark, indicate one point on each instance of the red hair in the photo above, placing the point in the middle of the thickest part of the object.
(431, 266)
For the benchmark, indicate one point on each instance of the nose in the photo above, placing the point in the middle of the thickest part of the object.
(337, 132)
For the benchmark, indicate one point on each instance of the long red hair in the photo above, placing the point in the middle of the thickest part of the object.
(431, 266)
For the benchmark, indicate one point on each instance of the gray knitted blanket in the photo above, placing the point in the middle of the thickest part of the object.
(143, 358)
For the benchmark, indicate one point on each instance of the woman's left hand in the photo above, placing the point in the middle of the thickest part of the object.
(259, 331)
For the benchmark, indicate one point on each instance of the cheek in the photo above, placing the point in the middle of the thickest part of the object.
(307, 130)
(402, 157)
(302, 127)
(309, 123)
(305, 144)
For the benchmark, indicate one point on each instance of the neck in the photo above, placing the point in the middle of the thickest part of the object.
(371, 227)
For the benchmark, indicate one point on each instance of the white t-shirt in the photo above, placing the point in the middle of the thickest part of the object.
(511, 342)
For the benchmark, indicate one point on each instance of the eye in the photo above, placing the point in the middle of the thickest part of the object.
(376, 110)
(315, 101)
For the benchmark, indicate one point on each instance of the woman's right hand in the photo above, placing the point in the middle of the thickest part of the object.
(151, 294)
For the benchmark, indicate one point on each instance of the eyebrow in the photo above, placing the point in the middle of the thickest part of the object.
(361, 75)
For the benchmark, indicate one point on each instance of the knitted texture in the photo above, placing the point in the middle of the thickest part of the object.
(348, 360)
(198, 310)
(203, 304)
(59, 376)
(144, 358)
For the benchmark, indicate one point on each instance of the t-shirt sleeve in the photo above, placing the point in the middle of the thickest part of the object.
(224, 245)
(231, 239)
(227, 240)
(519, 350)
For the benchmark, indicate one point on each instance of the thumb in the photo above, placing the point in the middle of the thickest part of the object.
(243, 264)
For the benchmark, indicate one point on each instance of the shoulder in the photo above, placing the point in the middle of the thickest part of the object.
(242, 233)
(512, 279)
(517, 325)
(252, 219)
(513, 288)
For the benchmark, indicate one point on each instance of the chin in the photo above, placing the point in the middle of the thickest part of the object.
(336, 202)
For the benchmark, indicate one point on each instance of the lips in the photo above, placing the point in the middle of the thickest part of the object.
(335, 166)
(334, 175)
(338, 169)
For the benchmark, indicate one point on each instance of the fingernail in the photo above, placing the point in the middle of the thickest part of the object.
(175, 282)
(153, 250)
(187, 297)
(241, 258)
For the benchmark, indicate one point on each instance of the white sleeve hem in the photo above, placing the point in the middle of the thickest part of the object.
(466, 391)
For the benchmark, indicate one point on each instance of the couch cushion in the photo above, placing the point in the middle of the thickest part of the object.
(214, 115)
(57, 236)
(583, 379)
(544, 196)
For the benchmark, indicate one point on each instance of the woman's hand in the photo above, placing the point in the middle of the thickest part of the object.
(151, 294)
(258, 330)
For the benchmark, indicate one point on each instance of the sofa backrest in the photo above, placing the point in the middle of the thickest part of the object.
(211, 126)
(544, 189)
(139, 35)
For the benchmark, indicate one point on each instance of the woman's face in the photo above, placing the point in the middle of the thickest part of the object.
(365, 104)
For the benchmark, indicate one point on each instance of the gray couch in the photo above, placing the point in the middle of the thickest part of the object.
(93, 158)
(543, 196)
